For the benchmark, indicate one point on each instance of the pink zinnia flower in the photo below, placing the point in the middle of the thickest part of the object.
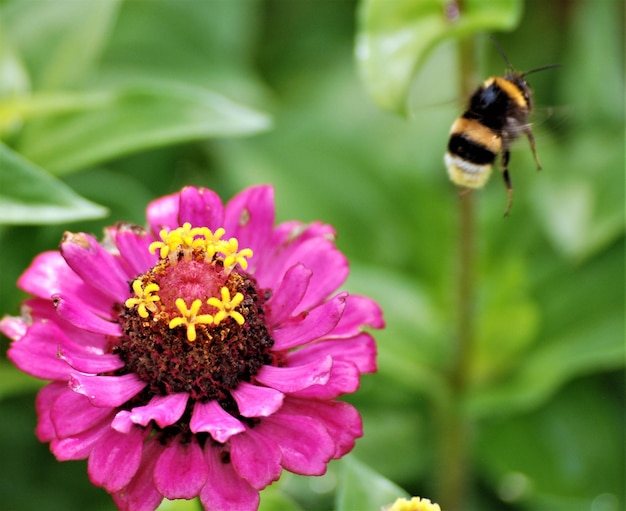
(198, 357)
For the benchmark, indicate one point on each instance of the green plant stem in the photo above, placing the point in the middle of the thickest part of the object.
(454, 460)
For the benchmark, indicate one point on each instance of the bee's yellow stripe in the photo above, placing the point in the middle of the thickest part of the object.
(511, 90)
(478, 133)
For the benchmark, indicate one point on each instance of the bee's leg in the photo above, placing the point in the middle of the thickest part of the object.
(531, 140)
(507, 181)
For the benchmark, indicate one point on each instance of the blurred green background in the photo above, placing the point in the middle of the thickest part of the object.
(112, 103)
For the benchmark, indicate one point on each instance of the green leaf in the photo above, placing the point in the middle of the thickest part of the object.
(29, 195)
(411, 346)
(14, 81)
(206, 43)
(582, 209)
(562, 457)
(582, 333)
(361, 487)
(580, 196)
(180, 505)
(59, 41)
(153, 114)
(274, 499)
(508, 322)
(13, 76)
(13, 381)
(596, 347)
(395, 38)
(22, 107)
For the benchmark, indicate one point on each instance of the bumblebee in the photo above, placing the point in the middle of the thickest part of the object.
(497, 114)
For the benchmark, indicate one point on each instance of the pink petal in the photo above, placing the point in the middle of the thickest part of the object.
(95, 265)
(328, 265)
(291, 379)
(46, 397)
(201, 207)
(73, 311)
(310, 326)
(256, 401)
(288, 294)
(88, 363)
(122, 422)
(305, 444)
(38, 309)
(360, 312)
(14, 328)
(213, 419)
(293, 242)
(330, 270)
(256, 458)
(133, 242)
(249, 217)
(163, 213)
(181, 470)
(36, 352)
(78, 447)
(78, 343)
(72, 414)
(341, 420)
(226, 490)
(344, 379)
(49, 274)
(164, 410)
(288, 234)
(359, 350)
(140, 494)
(111, 391)
(115, 459)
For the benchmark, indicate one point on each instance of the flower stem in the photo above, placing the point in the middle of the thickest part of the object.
(454, 462)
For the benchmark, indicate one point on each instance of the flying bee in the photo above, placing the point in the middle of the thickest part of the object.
(497, 114)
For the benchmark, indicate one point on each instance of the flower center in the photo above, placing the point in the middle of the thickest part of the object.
(195, 322)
